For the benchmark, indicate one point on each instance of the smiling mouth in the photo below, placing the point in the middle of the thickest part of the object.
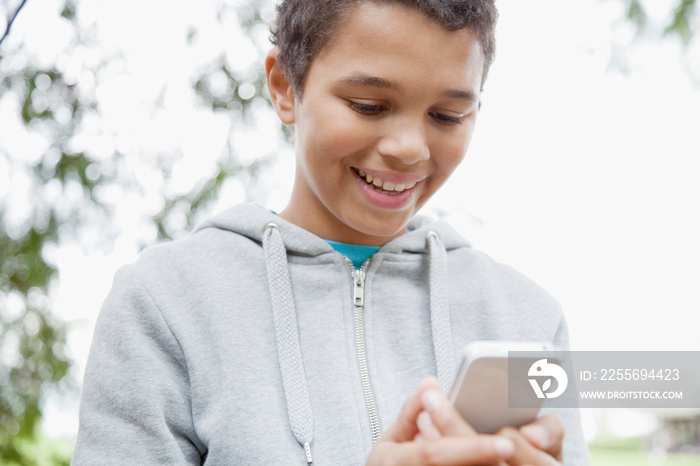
(384, 187)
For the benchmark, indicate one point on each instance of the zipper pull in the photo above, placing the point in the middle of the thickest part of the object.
(359, 277)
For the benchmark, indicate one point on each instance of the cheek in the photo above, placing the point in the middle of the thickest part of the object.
(332, 140)
(450, 154)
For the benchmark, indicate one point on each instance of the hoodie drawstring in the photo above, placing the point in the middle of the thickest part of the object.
(440, 312)
(296, 391)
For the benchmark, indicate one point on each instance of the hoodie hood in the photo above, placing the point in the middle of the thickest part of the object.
(250, 220)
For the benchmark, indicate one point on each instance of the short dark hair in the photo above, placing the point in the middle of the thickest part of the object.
(304, 27)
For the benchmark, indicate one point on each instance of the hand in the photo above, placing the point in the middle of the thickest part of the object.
(442, 437)
(546, 433)
(442, 446)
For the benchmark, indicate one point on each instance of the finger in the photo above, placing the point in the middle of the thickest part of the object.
(404, 428)
(428, 383)
(445, 451)
(392, 453)
(445, 416)
(525, 452)
(426, 426)
(546, 433)
(477, 450)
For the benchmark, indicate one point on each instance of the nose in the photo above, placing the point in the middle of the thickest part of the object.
(405, 140)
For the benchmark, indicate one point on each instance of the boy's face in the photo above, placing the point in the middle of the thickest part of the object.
(387, 114)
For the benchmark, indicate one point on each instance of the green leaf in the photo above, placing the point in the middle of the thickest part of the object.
(682, 17)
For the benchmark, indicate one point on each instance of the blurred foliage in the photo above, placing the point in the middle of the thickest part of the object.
(42, 451)
(636, 13)
(608, 450)
(70, 181)
(68, 202)
(684, 16)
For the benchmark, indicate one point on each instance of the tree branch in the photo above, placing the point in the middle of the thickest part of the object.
(11, 20)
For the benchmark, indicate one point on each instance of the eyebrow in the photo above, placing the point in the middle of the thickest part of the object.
(382, 83)
(461, 95)
(372, 81)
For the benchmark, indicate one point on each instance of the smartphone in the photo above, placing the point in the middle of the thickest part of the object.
(480, 390)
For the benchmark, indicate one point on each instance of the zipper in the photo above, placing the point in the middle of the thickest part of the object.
(358, 278)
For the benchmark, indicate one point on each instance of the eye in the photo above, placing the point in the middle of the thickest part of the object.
(366, 109)
(446, 119)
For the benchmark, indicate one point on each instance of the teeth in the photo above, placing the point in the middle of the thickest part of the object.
(387, 186)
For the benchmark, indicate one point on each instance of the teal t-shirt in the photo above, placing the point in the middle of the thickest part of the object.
(357, 253)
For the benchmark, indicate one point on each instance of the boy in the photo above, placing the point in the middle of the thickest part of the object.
(255, 341)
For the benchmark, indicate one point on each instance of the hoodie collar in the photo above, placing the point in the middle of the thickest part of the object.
(250, 219)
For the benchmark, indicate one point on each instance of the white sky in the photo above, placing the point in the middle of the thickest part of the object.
(587, 180)
(582, 177)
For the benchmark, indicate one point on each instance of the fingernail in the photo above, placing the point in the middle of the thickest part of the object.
(504, 447)
(432, 400)
(536, 434)
(424, 422)
(419, 438)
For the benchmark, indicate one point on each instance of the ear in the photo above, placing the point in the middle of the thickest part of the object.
(281, 91)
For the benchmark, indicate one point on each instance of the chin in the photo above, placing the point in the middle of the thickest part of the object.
(380, 228)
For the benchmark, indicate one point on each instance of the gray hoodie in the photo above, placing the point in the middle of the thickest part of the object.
(251, 343)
